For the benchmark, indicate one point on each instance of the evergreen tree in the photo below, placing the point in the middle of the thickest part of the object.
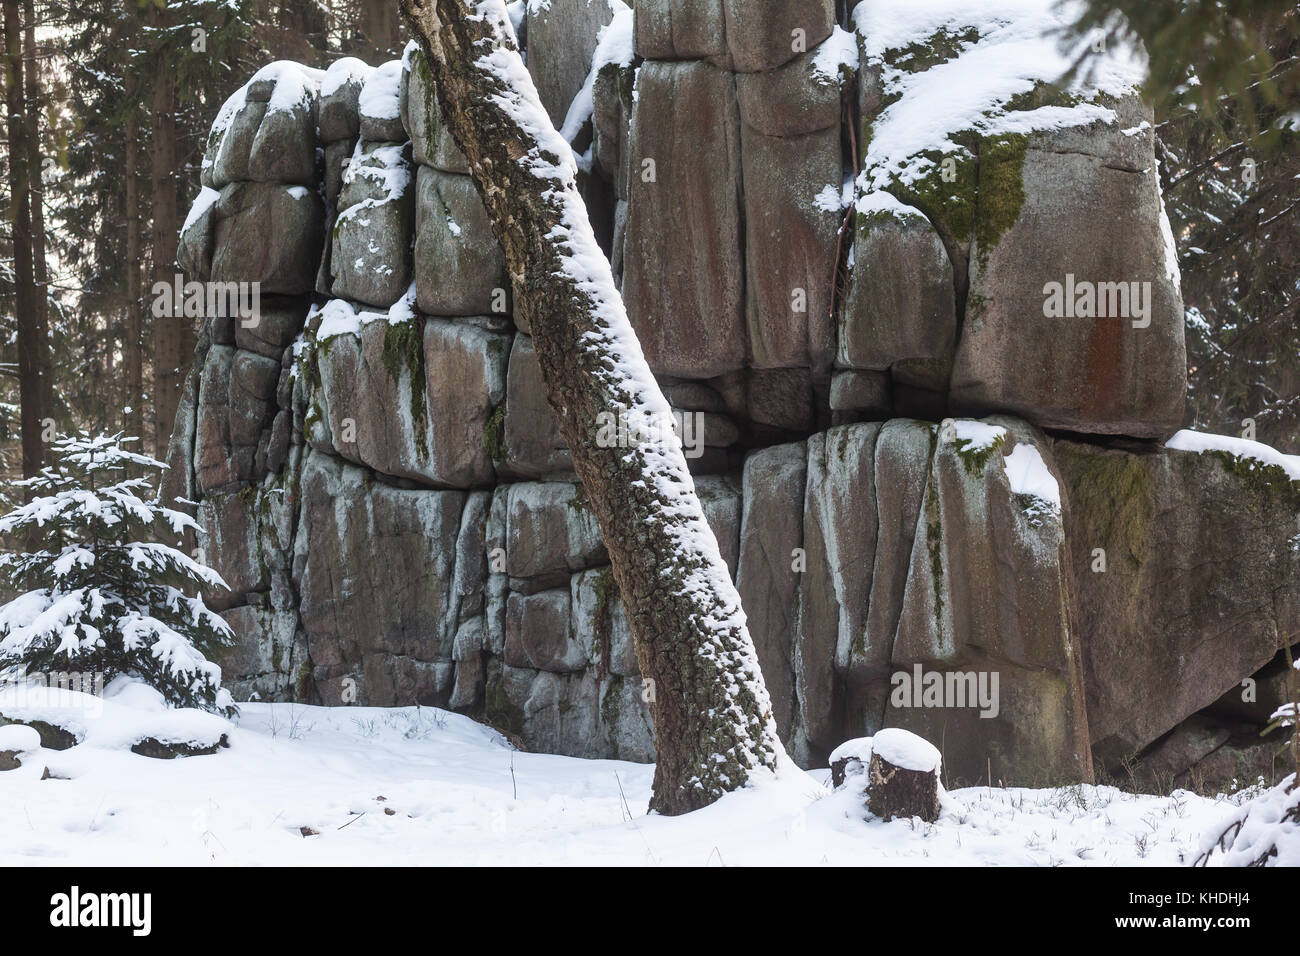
(101, 593)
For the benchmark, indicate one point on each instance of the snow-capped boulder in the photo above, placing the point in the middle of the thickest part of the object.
(1110, 357)
(266, 131)
(379, 104)
(340, 92)
(16, 741)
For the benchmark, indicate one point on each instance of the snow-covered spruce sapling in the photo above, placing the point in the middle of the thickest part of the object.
(98, 590)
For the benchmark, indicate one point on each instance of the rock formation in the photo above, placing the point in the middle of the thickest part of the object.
(832, 247)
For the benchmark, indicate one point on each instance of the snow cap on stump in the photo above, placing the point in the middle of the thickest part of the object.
(903, 778)
(16, 739)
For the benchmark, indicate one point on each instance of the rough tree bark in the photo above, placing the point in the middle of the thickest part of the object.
(173, 336)
(32, 346)
(40, 267)
(133, 342)
(713, 720)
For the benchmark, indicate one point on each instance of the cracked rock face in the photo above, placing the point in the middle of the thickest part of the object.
(382, 481)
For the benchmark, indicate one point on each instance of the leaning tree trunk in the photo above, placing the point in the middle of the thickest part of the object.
(713, 720)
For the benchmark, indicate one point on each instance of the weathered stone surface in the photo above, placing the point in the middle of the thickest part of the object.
(444, 378)
(721, 499)
(562, 37)
(459, 267)
(340, 117)
(573, 714)
(901, 313)
(550, 532)
(1104, 370)
(839, 539)
(611, 117)
(360, 626)
(761, 34)
(379, 104)
(538, 634)
(1257, 698)
(771, 536)
(1177, 752)
(990, 591)
(213, 464)
(526, 440)
(598, 617)
(465, 374)
(781, 398)
(268, 657)
(253, 381)
(431, 141)
(681, 30)
(270, 136)
(195, 247)
(268, 234)
(1198, 589)
(371, 257)
(270, 332)
(861, 391)
(683, 265)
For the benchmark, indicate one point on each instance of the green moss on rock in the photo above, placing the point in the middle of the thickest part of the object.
(404, 348)
(1001, 190)
(494, 433)
(1112, 500)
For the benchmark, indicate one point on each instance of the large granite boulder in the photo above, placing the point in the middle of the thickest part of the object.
(386, 641)
(371, 256)
(790, 159)
(459, 266)
(683, 278)
(1076, 328)
(1186, 565)
(562, 36)
(268, 234)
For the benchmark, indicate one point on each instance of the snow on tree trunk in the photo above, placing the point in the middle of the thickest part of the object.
(713, 720)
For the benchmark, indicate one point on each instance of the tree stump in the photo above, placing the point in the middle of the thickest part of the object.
(903, 777)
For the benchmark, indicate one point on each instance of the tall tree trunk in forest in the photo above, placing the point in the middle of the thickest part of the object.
(173, 337)
(713, 720)
(32, 347)
(379, 27)
(40, 268)
(133, 343)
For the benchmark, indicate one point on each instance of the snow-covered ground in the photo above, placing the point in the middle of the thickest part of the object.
(422, 786)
